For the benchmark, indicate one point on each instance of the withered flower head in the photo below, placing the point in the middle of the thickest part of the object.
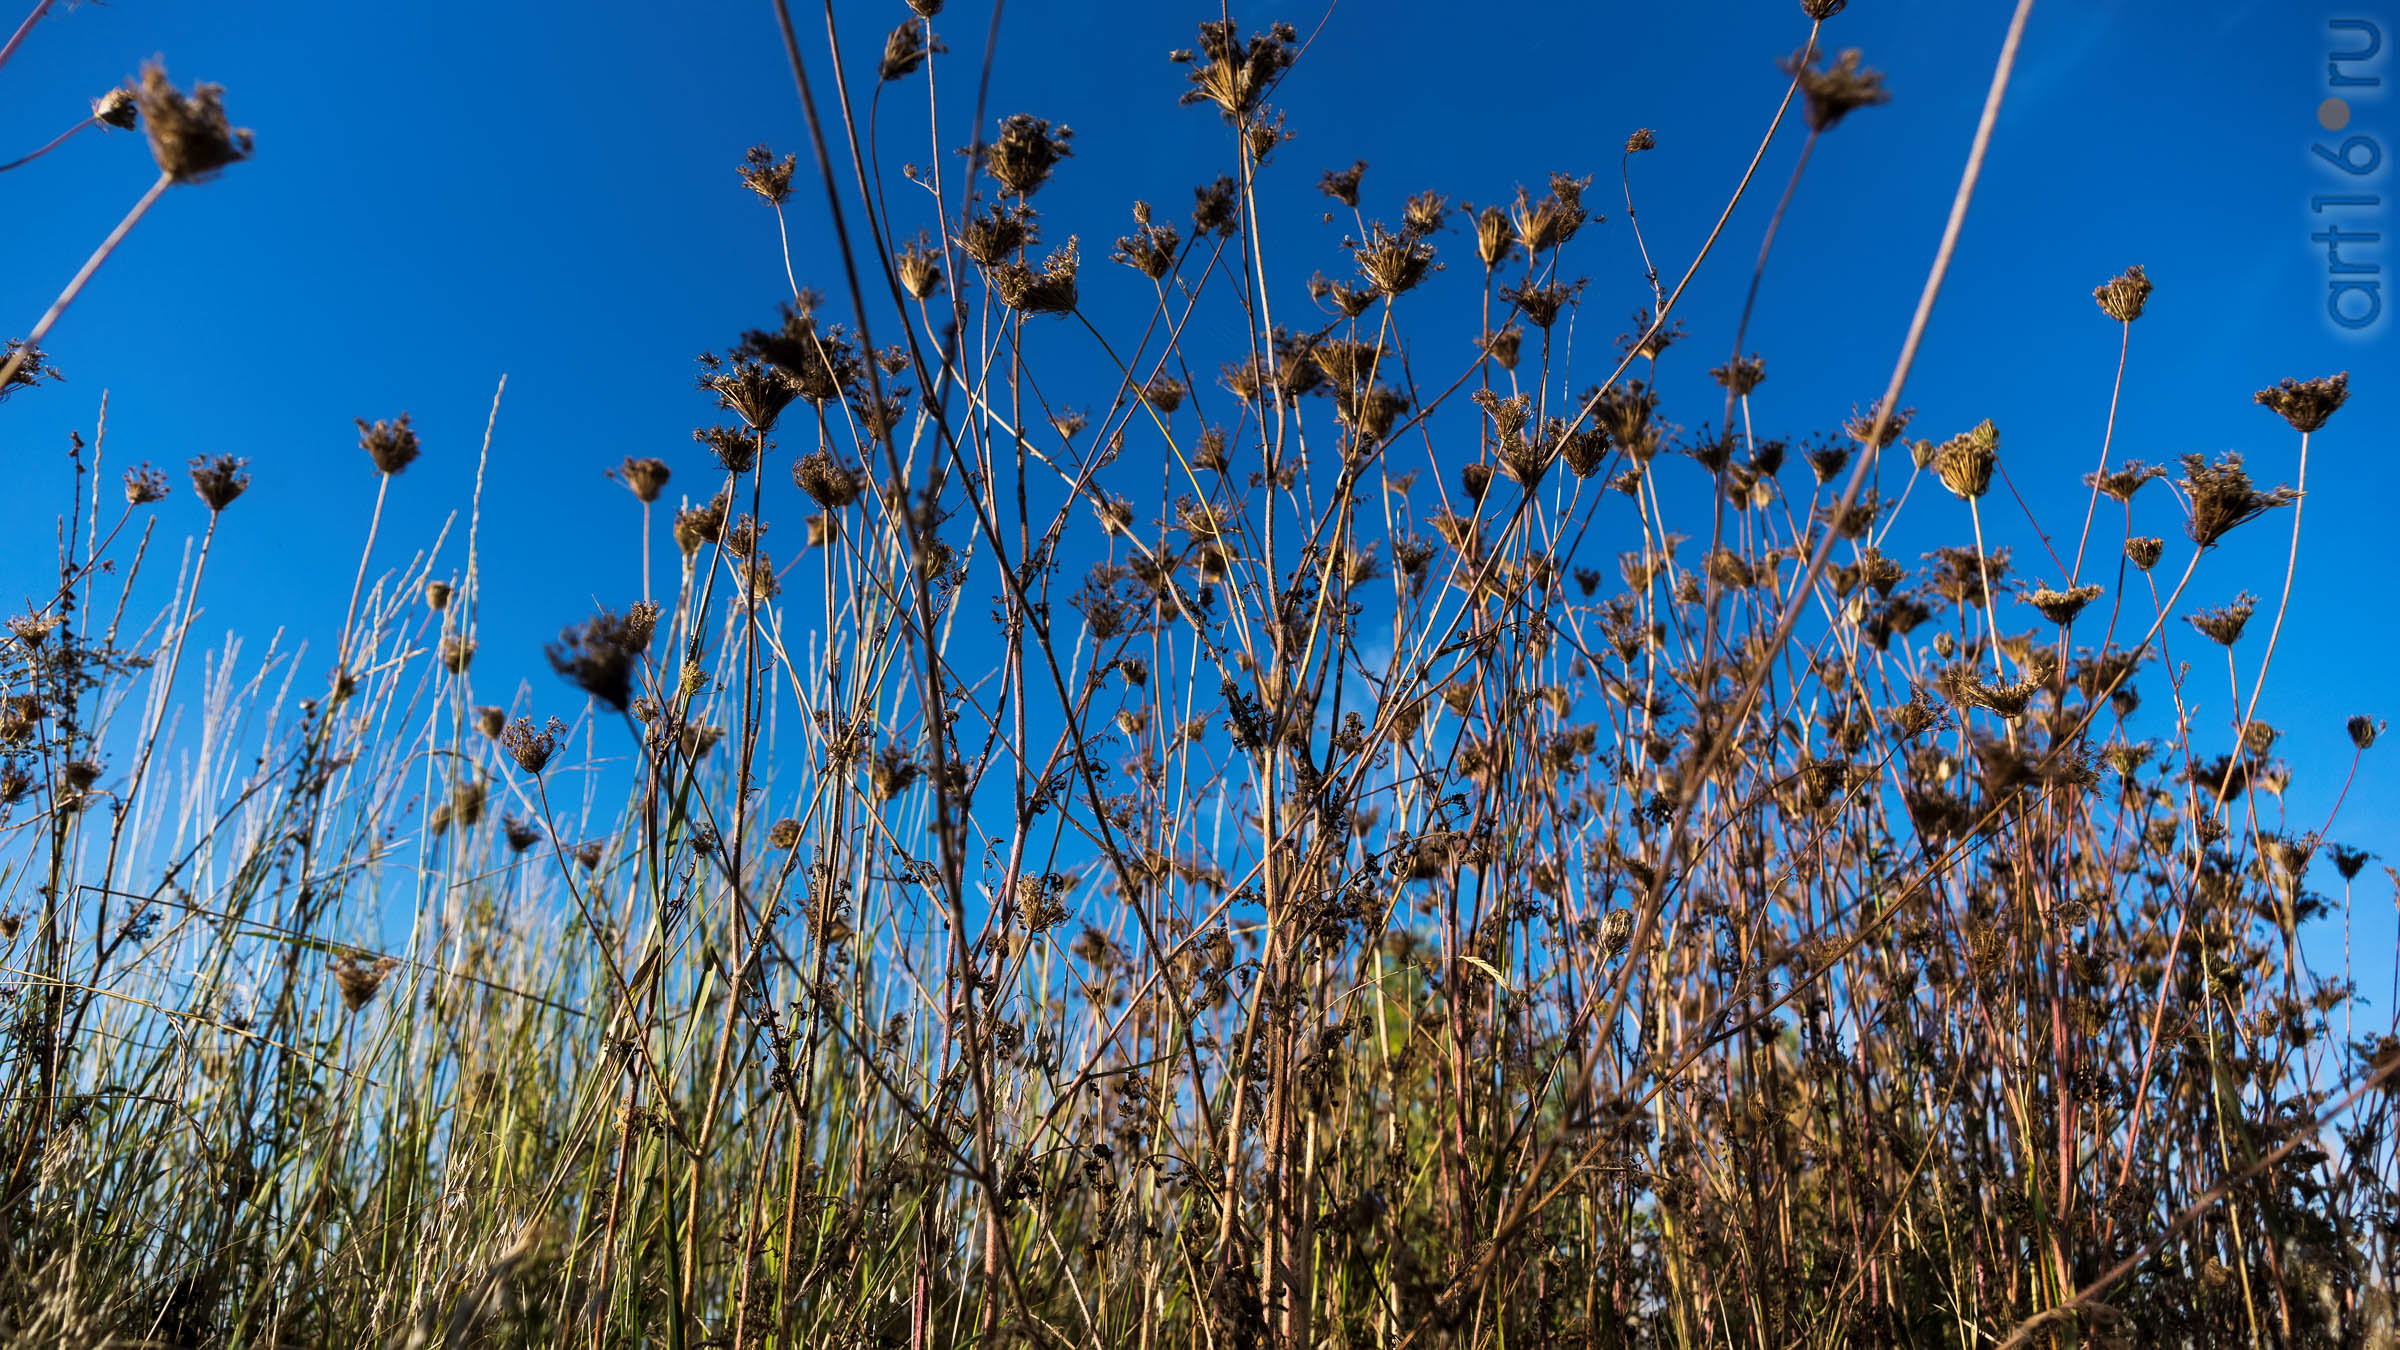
(920, 268)
(1343, 186)
(1393, 263)
(218, 479)
(905, 49)
(1821, 10)
(1623, 411)
(2121, 297)
(455, 653)
(1649, 338)
(1150, 249)
(145, 485)
(1049, 291)
(994, 236)
(2364, 731)
(392, 445)
(521, 833)
(1503, 345)
(750, 389)
(2125, 481)
(360, 979)
(1555, 218)
(23, 362)
(1233, 74)
(736, 450)
(2223, 625)
(188, 136)
(784, 833)
(1965, 461)
(490, 720)
(1837, 90)
(2222, 497)
(437, 595)
(2306, 404)
(1022, 159)
(820, 366)
(646, 477)
(599, 655)
(2144, 550)
(1643, 139)
(1425, 212)
(1826, 460)
(1541, 305)
(703, 524)
(1165, 392)
(1215, 208)
(530, 746)
(116, 108)
(1494, 241)
(926, 8)
(2061, 607)
(767, 176)
(826, 480)
(1741, 374)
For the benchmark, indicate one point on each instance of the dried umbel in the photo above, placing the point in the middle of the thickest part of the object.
(360, 979)
(1236, 75)
(392, 445)
(2125, 480)
(2061, 607)
(703, 524)
(521, 834)
(768, 176)
(531, 746)
(820, 366)
(455, 653)
(1642, 139)
(2306, 404)
(1150, 249)
(784, 834)
(2222, 497)
(116, 108)
(826, 480)
(1541, 305)
(1049, 291)
(920, 268)
(1837, 90)
(2121, 297)
(490, 720)
(1965, 461)
(646, 478)
(749, 388)
(23, 362)
(189, 137)
(736, 448)
(2223, 625)
(993, 237)
(1741, 374)
(1553, 220)
(905, 49)
(218, 479)
(2364, 731)
(437, 595)
(1028, 150)
(144, 485)
(1494, 241)
(2144, 550)
(600, 654)
(1425, 212)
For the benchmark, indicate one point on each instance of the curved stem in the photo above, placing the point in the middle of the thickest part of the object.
(58, 307)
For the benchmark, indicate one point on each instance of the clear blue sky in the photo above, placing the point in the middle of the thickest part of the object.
(442, 193)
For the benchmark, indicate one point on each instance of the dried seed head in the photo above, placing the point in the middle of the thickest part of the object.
(645, 477)
(2364, 731)
(1643, 139)
(1821, 10)
(1049, 291)
(490, 720)
(2144, 550)
(904, 49)
(1028, 150)
(437, 595)
(2121, 297)
(2125, 481)
(1425, 212)
(784, 834)
(735, 448)
(144, 485)
(1837, 90)
(767, 176)
(2222, 497)
(1741, 374)
(1555, 218)
(1503, 345)
(116, 108)
(704, 524)
(749, 388)
(24, 366)
(1343, 186)
(2061, 607)
(920, 268)
(360, 979)
(218, 479)
(826, 480)
(926, 8)
(1215, 208)
(1165, 392)
(1965, 461)
(2306, 404)
(994, 237)
(455, 653)
(530, 746)
(521, 834)
(1233, 74)
(392, 445)
(600, 654)
(1393, 263)
(2223, 625)
(188, 136)
(1150, 249)
(1494, 241)
(1541, 305)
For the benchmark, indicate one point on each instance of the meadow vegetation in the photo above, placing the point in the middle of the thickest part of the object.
(1362, 837)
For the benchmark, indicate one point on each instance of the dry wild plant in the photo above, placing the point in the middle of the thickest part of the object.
(1333, 841)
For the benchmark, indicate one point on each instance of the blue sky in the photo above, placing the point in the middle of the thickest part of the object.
(443, 193)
